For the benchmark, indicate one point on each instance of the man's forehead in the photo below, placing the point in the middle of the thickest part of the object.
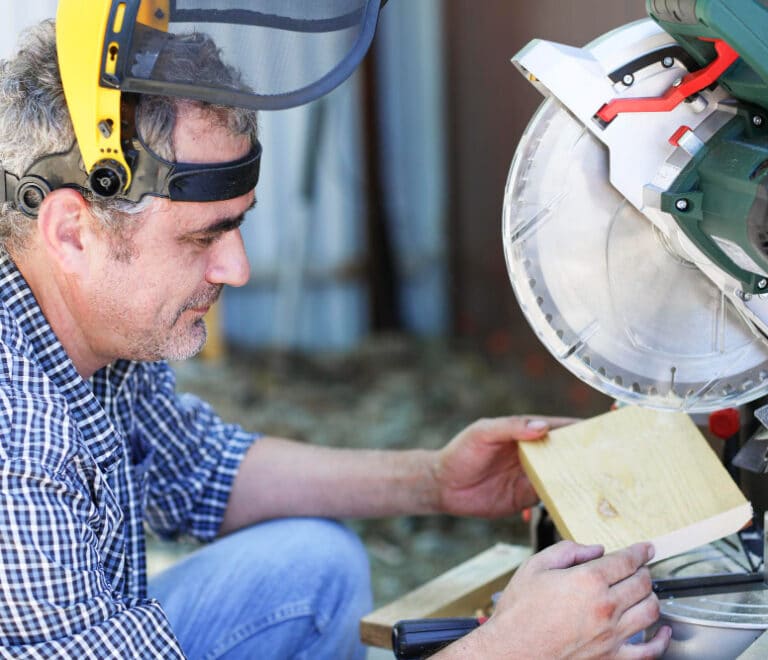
(201, 135)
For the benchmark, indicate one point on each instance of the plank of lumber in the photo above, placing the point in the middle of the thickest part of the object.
(457, 592)
(635, 475)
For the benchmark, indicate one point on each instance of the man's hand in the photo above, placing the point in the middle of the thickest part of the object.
(570, 601)
(479, 473)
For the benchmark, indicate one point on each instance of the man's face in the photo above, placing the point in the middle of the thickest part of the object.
(151, 306)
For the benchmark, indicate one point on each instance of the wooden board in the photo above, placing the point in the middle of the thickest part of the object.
(635, 475)
(458, 592)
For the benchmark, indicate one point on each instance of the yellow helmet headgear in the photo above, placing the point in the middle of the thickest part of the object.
(289, 52)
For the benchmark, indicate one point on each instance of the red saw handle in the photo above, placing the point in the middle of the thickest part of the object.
(691, 84)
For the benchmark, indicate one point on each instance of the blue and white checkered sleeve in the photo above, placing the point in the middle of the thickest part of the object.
(55, 600)
(195, 462)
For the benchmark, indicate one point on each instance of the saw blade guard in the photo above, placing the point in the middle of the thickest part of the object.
(609, 294)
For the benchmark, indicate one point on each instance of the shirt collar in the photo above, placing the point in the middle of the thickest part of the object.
(101, 437)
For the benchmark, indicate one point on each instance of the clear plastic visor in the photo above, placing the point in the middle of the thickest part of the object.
(262, 54)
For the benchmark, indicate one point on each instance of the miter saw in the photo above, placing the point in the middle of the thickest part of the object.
(636, 238)
(636, 211)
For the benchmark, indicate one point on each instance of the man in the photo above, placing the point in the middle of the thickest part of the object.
(94, 295)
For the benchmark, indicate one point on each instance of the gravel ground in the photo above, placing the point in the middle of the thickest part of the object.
(393, 392)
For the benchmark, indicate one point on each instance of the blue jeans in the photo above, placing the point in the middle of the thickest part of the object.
(293, 588)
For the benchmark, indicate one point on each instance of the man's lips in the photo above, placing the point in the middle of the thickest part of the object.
(202, 306)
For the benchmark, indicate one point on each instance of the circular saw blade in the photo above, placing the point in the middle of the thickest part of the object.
(607, 293)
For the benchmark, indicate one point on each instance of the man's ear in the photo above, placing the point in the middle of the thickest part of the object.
(64, 227)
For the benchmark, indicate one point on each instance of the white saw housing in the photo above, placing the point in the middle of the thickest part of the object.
(608, 281)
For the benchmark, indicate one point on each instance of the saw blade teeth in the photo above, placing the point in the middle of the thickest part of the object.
(607, 292)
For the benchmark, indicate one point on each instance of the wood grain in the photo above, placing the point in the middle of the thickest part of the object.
(458, 592)
(635, 475)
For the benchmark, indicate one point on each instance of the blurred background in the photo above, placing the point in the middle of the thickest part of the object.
(379, 311)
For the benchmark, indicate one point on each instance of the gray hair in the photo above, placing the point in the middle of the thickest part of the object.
(35, 121)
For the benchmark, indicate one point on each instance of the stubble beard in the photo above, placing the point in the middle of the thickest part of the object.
(185, 340)
(186, 346)
(171, 337)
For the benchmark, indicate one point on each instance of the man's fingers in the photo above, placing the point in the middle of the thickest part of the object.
(620, 564)
(640, 616)
(558, 422)
(632, 590)
(566, 554)
(543, 422)
(653, 648)
(504, 429)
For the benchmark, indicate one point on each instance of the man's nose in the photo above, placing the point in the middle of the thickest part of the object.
(228, 262)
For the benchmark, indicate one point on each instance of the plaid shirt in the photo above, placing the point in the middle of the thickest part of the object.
(82, 465)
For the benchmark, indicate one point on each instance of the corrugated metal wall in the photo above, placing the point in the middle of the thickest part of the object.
(410, 75)
(308, 239)
(490, 105)
(306, 236)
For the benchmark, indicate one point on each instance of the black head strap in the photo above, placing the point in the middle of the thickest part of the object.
(179, 182)
(188, 182)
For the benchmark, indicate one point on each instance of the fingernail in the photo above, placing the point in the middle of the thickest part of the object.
(536, 424)
(651, 552)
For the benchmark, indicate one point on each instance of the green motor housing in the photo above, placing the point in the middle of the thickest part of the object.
(720, 200)
(743, 24)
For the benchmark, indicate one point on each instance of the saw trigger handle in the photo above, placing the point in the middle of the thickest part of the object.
(415, 639)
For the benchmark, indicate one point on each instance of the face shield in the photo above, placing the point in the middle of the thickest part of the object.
(289, 52)
(256, 54)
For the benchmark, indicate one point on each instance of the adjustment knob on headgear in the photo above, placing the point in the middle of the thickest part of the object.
(107, 179)
(30, 194)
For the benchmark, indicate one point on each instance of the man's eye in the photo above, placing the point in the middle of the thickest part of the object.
(206, 241)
